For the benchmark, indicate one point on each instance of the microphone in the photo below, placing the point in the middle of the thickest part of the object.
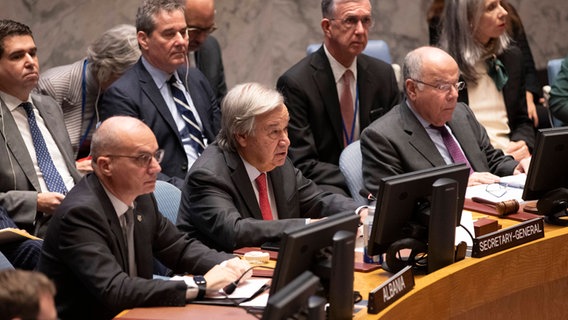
(230, 288)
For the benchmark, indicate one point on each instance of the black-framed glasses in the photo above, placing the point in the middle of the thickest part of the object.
(351, 21)
(444, 86)
(195, 31)
(143, 160)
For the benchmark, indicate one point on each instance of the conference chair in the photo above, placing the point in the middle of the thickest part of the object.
(552, 68)
(4, 263)
(168, 198)
(351, 165)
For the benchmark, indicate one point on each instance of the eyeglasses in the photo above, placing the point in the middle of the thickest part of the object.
(351, 21)
(195, 31)
(444, 86)
(497, 190)
(144, 159)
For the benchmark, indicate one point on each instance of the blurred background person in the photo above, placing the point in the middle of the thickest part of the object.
(474, 33)
(77, 87)
(204, 49)
(26, 295)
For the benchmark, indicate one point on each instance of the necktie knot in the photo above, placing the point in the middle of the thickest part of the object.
(27, 107)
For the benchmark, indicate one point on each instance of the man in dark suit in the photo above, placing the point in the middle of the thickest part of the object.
(36, 158)
(244, 191)
(204, 49)
(146, 90)
(99, 268)
(313, 88)
(408, 138)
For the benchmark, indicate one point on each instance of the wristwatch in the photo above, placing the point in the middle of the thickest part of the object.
(201, 285)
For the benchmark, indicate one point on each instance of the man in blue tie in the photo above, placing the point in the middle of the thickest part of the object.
(430, 128)
(175, 101)
(36, 159)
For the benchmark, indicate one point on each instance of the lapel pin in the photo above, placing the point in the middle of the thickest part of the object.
(139, 217)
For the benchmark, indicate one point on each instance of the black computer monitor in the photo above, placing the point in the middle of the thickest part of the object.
(326, 248)
(404, 202)
(548, 169)
(296, 300)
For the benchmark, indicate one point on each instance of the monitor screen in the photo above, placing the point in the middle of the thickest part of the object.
(293, 300)
(548, 169)
(403, 204)
(325, 248)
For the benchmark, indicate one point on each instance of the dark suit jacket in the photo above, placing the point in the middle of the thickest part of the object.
(219, 205)
(315, 128)
(19, 184)
(397, 143)
(210, 61)
(85, 254)
(514, 93)
(136, 94)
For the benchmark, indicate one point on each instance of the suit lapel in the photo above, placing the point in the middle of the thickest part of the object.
(279, 187)
(364, 80)
(149, 87)
(419, 138)
(460, 129)
(56, 127)
(241, 179)
(16, 144)
(112, 219)
(323, 77)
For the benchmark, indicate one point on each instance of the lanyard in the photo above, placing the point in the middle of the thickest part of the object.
(349, 137)
(83, 102)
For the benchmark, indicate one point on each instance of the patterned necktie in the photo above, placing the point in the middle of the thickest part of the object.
(195, 134)
(128, 233)
(51, 176)
(453, 148)
(263, 197)
(346, 103)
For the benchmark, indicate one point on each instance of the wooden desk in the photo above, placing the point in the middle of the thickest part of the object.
(525, 282)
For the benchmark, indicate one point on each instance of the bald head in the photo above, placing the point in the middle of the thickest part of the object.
(200, 16)
(115, 134)
(424, 60)
(431, 84)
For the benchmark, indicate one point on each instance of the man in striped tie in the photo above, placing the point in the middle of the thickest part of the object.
(175, 100)
(37, 167)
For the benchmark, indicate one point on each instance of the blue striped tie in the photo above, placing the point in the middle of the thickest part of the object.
(51, 176)
(196, 137)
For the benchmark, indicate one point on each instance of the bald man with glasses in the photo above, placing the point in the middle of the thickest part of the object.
(335, 92)
(430, 128)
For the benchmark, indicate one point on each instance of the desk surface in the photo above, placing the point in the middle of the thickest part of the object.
(527, 282)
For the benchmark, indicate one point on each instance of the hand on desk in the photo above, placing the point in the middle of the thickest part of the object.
(518, 149)
(221, 275)
(478, 178)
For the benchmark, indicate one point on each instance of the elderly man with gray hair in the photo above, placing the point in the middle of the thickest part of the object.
(244, 191)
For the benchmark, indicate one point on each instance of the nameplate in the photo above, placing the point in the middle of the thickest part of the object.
(507, 238)
(390, 291)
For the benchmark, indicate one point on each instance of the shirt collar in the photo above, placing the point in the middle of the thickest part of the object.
(12, 102)
(119, 206)
(159, 76)
(337, 68)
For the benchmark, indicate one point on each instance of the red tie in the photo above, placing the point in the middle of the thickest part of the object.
(263, 197)
(346, 103)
